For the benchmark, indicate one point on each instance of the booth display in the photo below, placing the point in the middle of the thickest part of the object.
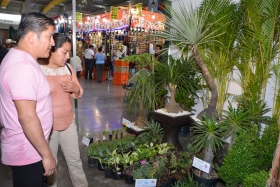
(124, 31)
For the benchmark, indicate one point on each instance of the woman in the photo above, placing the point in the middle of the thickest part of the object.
(64, 83)
(100, 60)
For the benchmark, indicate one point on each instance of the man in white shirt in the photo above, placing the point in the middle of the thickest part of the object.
(89, 54)
(78, 64)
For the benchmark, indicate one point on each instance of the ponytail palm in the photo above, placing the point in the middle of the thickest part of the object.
(189, 28)
(180, 76)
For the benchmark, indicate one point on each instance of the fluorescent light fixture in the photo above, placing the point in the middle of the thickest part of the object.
(10, 17)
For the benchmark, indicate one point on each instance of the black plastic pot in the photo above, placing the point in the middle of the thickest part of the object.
(128, 179)
(205, 182)
(99, 167)
(92, 161)
(108, 173)
(169, 183)
(117, 174)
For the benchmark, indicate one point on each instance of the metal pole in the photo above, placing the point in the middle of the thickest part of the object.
(74, 40)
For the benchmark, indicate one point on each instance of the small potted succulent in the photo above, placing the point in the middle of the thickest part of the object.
(208, 136)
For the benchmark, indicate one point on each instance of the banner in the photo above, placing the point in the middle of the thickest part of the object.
(139, 9)
(79, 17)
(114, 12)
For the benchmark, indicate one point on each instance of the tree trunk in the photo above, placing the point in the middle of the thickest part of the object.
(274, 179)
(172, 106)
(211, 109)
(208, 157)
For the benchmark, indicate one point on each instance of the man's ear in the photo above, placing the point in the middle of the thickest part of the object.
(31, 37)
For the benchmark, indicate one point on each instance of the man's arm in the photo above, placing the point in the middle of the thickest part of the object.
(32, 129)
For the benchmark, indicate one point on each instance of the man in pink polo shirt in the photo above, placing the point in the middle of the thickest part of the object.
(25, 104)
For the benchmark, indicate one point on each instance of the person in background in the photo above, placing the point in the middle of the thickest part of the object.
(158, 55)
(8, 43)
(100, 61)
(3, 52)
(64, 85)
(78, 64)
(113, 57)
(121, 52)
(25, 104)
(14, 44)
(89, 63)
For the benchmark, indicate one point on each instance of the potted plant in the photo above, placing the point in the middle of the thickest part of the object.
(115, 161)
(128, 160)
(153, 133)
(208, 136)
(92, 154)
(181, 77)
(142, 97)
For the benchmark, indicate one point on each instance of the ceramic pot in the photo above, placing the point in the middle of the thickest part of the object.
(205, 182)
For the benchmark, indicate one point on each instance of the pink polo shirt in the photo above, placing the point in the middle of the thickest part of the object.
(21, 78)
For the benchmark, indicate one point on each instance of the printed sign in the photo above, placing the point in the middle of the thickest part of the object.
(114, 12)
(200, 164)
(139, 9)
(79, 17)
(85, 140)
(126, 123)
(145, 182)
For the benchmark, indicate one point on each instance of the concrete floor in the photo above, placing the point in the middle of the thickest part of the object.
(100, 105)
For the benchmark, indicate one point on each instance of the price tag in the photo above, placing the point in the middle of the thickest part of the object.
(85, 140)
(145, 182)
(126, 123)
(200, 164)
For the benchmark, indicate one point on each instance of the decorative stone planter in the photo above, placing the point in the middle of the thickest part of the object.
(172, 126)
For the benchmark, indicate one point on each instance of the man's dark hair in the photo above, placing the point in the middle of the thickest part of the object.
(59, 39)
(90, 46)
(35, 22)
(99, 49)
(159, 46)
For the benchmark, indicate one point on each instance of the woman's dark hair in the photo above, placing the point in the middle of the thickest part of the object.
(59, 40)
(99, 49)
(35, 22)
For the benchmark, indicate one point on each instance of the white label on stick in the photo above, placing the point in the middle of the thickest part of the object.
(200, 164)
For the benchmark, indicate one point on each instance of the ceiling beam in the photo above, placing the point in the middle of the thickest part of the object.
(52, 4)
(4, 3)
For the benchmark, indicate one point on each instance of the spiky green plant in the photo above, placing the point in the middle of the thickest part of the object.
(208, 135)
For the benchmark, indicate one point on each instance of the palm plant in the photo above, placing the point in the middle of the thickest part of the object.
(257, 44)
(180, 76)
(209, 135)
(144, 95)
(189, 28)
(235, 119)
